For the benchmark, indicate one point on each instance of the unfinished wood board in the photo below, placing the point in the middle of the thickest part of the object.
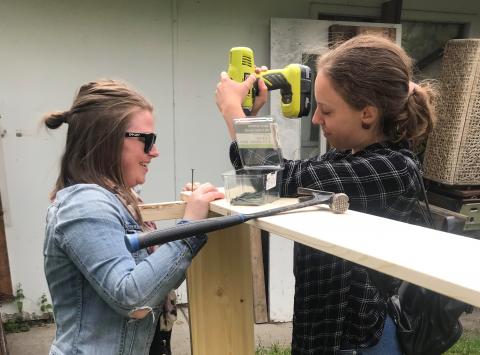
(3, 341)
(443, 262)
(176, 209)
(5, 277)
(220, 293)
(161, 211)
(258, 276)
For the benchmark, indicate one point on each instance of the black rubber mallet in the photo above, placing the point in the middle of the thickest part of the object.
(338, 202)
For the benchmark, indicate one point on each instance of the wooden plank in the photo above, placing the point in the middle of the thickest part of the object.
(3, 340)
(5, 277)
(219, 284)
(443, 262)
(161, 211)
(258, 277)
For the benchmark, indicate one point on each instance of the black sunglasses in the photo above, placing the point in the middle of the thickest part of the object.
(147, 138)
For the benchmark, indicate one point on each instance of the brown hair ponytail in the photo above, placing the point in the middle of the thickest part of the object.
(417, 120)
(53, 120)
(372, 70)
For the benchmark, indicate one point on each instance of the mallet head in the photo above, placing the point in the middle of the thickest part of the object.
(339, 203)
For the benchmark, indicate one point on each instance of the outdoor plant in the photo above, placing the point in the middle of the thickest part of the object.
(274, 349)
(46, 307)
(19, 296)
(21, 321)
(16, 325)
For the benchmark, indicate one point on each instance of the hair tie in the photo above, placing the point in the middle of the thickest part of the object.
(412, 88)
(65, 116)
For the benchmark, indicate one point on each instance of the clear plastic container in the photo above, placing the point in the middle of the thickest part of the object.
(258, 142)
(259, 180)
(252, 187)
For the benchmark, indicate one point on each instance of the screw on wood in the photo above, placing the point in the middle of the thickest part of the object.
(192, 177)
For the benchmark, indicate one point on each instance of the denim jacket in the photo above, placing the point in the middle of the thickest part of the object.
(97, 286)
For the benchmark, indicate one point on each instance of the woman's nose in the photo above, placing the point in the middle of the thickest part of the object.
(154, 151)
(317, 118)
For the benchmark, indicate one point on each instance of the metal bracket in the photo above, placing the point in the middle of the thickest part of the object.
(472, 212)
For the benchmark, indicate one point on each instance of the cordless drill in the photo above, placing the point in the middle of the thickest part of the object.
(294, 82)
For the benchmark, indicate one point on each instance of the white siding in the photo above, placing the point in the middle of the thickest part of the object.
(171, 51)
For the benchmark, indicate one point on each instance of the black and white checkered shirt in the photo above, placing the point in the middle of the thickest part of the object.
(336, 305)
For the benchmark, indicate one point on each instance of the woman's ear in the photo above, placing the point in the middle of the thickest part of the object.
(370, 116)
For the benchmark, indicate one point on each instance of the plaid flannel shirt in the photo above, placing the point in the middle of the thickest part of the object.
(336, 306)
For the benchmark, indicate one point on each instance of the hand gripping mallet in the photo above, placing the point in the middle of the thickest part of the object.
(338, 203)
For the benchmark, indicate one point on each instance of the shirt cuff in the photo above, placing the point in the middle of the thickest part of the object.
(194, 243)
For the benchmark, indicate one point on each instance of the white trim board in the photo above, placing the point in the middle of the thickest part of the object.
(443, 262)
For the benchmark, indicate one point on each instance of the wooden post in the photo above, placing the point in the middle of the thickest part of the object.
(5, 278)
(258, 276)
(3, 340)
(220, 294)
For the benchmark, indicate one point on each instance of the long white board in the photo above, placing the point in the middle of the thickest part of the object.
(443, 262)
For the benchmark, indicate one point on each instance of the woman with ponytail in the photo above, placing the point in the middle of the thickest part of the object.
(373, 116)
(107, 300)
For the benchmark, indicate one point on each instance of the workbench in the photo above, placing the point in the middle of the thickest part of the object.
(219, 281)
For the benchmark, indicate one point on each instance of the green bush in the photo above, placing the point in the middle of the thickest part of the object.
(16, 326)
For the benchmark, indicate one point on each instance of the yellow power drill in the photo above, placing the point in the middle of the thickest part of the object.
(294, 82)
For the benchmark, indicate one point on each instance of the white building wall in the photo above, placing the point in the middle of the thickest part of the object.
(171, 51)
(48, 49)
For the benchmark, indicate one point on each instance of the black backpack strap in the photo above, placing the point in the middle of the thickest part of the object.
(425, 212)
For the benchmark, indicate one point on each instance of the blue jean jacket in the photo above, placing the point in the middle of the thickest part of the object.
(99, 289)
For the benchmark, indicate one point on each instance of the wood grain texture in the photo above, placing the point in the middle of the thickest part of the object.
(161, 211)
(5, 277)
(219, 284)
(258, 276)
(443, 262)
(219, 281)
